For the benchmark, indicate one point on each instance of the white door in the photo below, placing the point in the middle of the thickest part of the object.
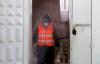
(96, 31)
(80, 22)
(14, 31)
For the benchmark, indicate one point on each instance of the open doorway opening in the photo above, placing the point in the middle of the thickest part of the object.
(58, 11)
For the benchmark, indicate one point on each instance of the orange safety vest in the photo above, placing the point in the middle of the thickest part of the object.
(45, 36)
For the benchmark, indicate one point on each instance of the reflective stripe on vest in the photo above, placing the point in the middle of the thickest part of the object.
(48, 41)
(45, 37)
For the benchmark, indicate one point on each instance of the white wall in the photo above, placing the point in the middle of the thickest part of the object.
(96, 31)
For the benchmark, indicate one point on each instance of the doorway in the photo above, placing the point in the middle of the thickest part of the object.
(58, 11)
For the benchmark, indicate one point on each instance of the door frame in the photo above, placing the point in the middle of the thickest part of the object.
(27, 25)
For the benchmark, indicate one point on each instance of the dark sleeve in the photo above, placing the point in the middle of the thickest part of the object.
(35, 36)
(56, 39)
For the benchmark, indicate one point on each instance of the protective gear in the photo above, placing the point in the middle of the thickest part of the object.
(46, 24)
(45, 36)
(46, 20)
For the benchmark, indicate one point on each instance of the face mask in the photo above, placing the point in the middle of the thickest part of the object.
(46, 23)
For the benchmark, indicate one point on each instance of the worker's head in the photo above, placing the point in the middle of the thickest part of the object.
(47, 19)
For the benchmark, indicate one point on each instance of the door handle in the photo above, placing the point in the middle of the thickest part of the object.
(81, 25)
(74, 31)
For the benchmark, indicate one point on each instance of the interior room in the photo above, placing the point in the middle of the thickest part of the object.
(58, 11)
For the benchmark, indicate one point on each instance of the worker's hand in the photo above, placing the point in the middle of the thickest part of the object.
(35, 49)
(56, 52)
(33, 44)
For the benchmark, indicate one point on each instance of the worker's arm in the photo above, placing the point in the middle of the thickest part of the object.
(34, 43)
(57, 44)
(35, 36)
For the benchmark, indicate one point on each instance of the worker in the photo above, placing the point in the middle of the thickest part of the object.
(47, 41)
